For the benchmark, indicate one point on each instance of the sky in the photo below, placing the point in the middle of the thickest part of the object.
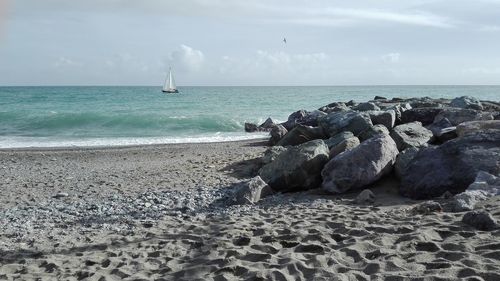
(237, 42)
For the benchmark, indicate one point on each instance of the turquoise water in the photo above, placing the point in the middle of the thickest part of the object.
(88, 116)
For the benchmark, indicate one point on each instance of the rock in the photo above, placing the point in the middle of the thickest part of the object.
(360, 166)
(345, 145)
(411, 135)
(427, 208)
(267, 125)
(277, 134)
(366, 106)
(271, 153)
(457, 115)
(472, 127)
(446, 134)
(425, 103)
(451, 166)
(297, 168)
(480, 220)
(251, 191)
(365, 197)
(386, 118)
(403, 159)
(60, 195)
(352, 121)
(399, 109)
(304, 118)
(467, 102)
(438, 125)
(379, 98)
(373, 131)
(351, 103)
(294, 119)
(338, 138)
(484, 186)
(425, 115)
(301, 134)
(337, 108)
(251, 127)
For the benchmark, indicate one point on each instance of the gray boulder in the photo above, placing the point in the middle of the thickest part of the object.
(251, 191)
(410, 135)
(297, 168)
(338, 138)
(451, 166)
(294, 119)
(360, 166)
(271, 153)
(379, 98)
(386, 118)
(403, 160)
(345, 145)
(366, 106)
(277, 133)
(341, 107)
(398, 110)
(352, 121)
(425, 115)
(484, 186)
(301, 134)
(457, 115)
(267, 125)
(443, 130)
(480, 220)
(373, 131)
(473, 127)
(467, 102)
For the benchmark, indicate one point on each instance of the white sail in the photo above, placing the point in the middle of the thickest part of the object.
(169, 83)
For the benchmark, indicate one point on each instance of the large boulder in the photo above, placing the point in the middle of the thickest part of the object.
(458, 115)
(303, 117)
(271, 153)
(425, 115)
(277, 133)
(411, 135)
(251, 191)
(251, 127)
(480, 220)
(473, 127)
(451, 166)
(301, 134)
(484, 186)
(338, 138)
(345, 145)
(467, 102)
(294, 119)
(335, 107)
(297, 168)
(360, 166)
(443, 130)
(386, 118)
(373, 131)
(352, 121)
(403, 160)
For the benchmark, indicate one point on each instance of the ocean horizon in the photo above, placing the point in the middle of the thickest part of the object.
(65, 116)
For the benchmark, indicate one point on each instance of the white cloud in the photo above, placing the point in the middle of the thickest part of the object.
(64, 62)
(391, 57)
(482, 70)
(187, 59)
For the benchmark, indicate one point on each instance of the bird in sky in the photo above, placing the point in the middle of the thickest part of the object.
(284, 40)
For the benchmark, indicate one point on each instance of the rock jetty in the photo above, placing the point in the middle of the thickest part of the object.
(434, 146)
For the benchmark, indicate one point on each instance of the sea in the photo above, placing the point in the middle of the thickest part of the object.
(84, 116)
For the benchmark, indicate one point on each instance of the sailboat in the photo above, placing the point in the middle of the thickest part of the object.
(169, 86)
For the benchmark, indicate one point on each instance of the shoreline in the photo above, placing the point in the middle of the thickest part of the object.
(106, 147)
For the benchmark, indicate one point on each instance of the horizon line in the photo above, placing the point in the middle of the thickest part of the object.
(339, 85)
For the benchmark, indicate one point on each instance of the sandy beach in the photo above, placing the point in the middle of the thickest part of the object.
(163, 212)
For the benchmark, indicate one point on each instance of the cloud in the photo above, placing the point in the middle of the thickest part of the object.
(64, 62)
(391, 57)
(482, 70)
(187, 58)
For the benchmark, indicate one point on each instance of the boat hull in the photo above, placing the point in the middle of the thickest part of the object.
(170, 91)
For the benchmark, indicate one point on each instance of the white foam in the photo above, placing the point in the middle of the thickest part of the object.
(33, 142)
